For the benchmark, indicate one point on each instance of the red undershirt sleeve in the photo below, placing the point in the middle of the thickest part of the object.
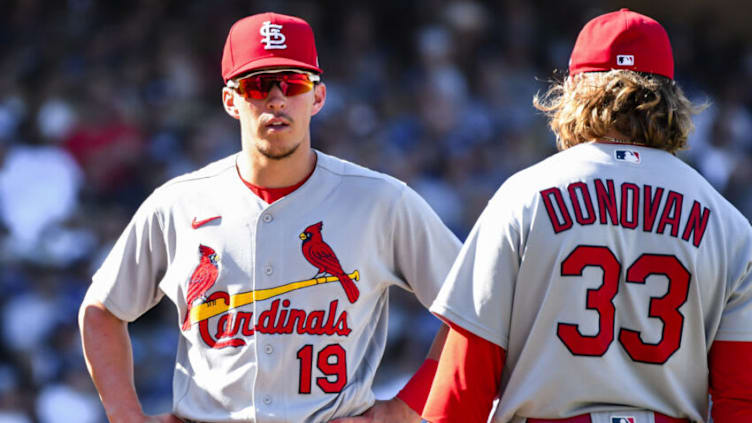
(467, 380)
(415, 392)
(731, 381)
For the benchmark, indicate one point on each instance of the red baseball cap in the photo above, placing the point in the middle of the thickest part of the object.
(623, 40)
(269, 40)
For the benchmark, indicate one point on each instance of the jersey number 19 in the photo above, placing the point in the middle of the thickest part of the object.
(331, 361)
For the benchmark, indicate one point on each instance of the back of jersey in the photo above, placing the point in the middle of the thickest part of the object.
(612, 266)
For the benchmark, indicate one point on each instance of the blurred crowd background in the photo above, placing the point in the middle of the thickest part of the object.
(102, 101)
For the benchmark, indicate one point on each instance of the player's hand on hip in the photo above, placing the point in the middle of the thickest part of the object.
(391, 411)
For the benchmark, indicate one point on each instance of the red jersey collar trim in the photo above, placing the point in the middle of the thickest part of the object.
(270, 195)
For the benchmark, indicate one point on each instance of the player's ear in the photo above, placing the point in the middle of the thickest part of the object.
(319, 97)
(228, 100)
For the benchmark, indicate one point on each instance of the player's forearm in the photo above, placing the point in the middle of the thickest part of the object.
(438, 343)
(109, 359)
(415, 392)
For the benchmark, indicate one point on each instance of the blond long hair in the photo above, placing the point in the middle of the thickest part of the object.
(645, 108)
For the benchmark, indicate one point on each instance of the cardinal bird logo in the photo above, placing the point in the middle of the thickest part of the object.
(202, 279)
(321, 256)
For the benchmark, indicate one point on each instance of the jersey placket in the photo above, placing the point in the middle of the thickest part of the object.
(266, 247)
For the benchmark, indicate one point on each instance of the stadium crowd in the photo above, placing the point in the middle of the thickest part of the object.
(100, 102)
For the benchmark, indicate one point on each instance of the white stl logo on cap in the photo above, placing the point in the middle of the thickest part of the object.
(273, 37)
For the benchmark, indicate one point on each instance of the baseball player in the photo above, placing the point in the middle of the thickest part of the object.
(609, 283)
(278, 259)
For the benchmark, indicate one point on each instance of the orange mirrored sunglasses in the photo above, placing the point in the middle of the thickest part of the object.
(257, 86)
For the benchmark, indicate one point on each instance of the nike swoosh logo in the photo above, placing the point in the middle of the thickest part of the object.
(199, 223)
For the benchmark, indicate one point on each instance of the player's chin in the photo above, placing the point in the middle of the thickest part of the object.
(276, 150)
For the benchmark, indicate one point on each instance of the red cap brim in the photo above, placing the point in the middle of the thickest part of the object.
(272, 62)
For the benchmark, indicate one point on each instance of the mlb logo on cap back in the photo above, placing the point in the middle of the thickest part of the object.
(269, 40)
(622, 40)
(625, 60)
(623, 419)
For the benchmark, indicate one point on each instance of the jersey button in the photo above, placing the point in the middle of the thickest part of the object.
(267, 218)
(268, 349)
(267, 400)
(268, 269)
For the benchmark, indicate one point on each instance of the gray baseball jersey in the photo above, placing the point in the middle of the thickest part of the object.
(282, 307)
(606, 271)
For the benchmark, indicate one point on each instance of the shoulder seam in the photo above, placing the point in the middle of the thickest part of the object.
(365, 173)
(194, 176)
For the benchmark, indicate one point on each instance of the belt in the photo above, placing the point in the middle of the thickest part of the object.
(585, 418)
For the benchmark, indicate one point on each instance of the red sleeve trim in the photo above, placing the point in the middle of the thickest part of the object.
(467, 380)
(415, 392)
(731, 381)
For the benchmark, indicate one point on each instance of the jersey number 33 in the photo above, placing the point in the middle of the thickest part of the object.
(601, 300)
